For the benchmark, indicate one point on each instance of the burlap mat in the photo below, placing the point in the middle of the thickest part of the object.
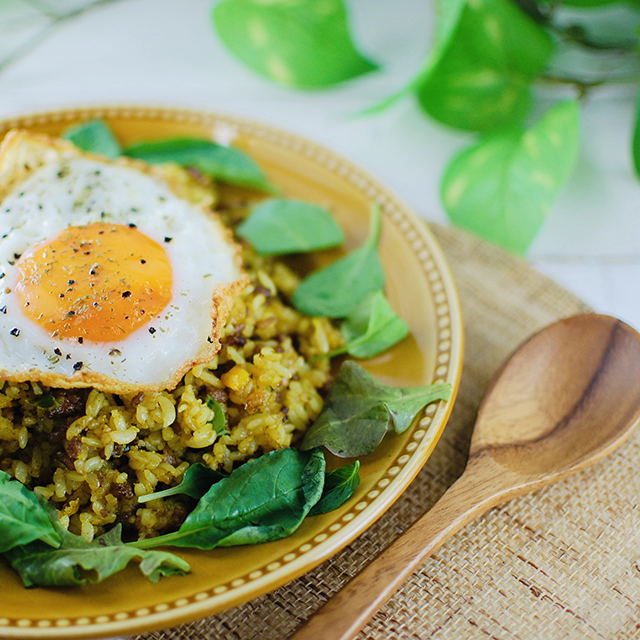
(561, 563)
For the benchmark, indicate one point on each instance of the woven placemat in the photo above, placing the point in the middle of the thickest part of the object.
(561, 563)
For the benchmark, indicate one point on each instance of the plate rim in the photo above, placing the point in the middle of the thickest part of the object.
(426, 432)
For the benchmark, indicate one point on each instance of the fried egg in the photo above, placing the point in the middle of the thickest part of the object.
(108, 277)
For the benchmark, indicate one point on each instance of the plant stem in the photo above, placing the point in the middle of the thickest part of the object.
(577, 35)
(589, 84)
(572, 33)
(56, 19)
(583, 87)
(534, 10)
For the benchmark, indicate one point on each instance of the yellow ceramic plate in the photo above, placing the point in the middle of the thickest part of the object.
(420, 288)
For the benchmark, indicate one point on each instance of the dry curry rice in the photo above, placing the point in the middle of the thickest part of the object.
(92, 454)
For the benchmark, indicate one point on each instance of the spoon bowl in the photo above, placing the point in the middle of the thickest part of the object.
(566, 398)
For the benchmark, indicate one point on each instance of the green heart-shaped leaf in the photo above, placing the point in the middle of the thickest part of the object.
(502, 187)
(480, 76)
(302, 43)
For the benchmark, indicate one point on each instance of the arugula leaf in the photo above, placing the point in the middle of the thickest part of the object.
(360, 410)
(217, 161)
(371, 328)
(339, 288)
(263, 500)
(94, 136)
(502, 187)
(219, 422)
(78, 562)
(339, 486)
(197, 480)
(488, 54)
(22, 517)
(305, 43)
(278, 226)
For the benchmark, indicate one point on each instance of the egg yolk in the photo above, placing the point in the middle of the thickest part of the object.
(98, 282)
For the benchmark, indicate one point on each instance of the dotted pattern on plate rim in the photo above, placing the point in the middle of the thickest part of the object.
(373, 191)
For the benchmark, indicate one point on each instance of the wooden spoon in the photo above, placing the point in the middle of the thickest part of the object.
(567, 397)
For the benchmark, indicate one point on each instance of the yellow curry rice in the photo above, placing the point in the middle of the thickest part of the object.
(92, 454)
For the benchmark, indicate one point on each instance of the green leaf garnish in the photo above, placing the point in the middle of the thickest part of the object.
(360, 410)
(502, 187)
(372, 327)
(94, 136)
(46, 401)
(339, 486)
(219, 422)
(263, 500)
(305, 43)
(77, 562)
(22, 518)
(197, 480)
(488, 54)
(339, 288)
(278, 226)
(217, 161)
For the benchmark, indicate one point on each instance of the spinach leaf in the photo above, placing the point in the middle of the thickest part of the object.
(217, 161)
(487, 56)
(371, 328)
(22, 518)
(360, 410)
(219, 422)
(339, 486)
(502, 187)
(197, 480)
(94, 136)
(263, 500)
(78, 562)
(305, 43)
(278, 226)
(339, 288)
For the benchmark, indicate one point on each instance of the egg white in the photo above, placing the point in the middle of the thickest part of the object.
(80, 190)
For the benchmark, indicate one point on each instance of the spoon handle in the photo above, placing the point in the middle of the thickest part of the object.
(346, 613)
